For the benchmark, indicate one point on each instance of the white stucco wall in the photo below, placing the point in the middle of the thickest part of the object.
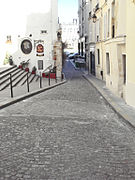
(27, 22)
(130, 45)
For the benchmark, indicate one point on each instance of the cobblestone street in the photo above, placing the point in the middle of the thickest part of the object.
(66, 133)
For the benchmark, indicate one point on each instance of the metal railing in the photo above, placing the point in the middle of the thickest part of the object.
(11, 86)
(40, 80)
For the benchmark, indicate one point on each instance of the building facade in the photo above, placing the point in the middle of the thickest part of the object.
(70, 35)
(33, 42)
(83, 12)
(130, 44)
(110, 44)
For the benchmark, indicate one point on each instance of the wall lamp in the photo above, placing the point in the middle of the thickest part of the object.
(58, 35)
(94, 17)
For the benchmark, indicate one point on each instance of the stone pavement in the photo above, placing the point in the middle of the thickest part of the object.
(66, 133)
(118, 104)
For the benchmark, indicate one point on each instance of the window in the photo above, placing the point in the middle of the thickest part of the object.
(97, 29)
(43, 31)
(40, 64)
(82, 48)
(108, 31)
(8, 39)
(113, 31)
(98, 55)
(124, 68)
(107, 64)
(113, 8)
(105, 25)
(113, 19)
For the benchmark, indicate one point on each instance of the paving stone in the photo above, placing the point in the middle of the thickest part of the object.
(67, 133)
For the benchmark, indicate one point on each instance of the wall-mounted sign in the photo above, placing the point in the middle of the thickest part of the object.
(26, 46)
(39, 47)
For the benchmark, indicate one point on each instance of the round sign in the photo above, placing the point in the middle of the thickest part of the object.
(26, 46)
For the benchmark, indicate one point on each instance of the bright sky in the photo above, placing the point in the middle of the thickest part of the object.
(67, 10)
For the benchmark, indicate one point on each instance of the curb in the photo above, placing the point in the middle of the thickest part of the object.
(20, 98)
(74, 65)
(127, 119)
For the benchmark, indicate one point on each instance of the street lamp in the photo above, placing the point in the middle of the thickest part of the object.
(94, 17)
(59, 35)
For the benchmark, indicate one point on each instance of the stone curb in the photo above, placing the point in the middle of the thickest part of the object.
(20, 98)
(74, 65)
(127, 119)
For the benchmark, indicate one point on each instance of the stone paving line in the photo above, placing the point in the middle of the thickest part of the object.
(118, 104)
(20, 92)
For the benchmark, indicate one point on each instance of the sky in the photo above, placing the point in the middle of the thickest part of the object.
(67, 10)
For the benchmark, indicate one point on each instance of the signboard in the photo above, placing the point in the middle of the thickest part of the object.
(39, 47)
(26, 46)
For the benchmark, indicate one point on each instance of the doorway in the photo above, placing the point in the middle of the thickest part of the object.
(124, 68)
(92, 63)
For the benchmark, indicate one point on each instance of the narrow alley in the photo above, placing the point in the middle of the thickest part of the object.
(66, 133)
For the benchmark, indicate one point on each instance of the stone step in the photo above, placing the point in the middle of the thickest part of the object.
(14, 80)
(6, 69)
(6, 77)
(32, 78)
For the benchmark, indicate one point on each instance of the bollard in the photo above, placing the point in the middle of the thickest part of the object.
(28, 83)
(61, 76)
(88, 68)
(40, 80)
(49, 78)
(56, 76)
(11, 87)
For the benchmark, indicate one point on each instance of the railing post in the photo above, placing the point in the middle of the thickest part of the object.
(28, 83)
(40, 80)
(61, 76)
(56, 75)
(49, 78)
(88, 68)
(11, 87)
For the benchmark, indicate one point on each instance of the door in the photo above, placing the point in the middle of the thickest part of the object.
(92, 63)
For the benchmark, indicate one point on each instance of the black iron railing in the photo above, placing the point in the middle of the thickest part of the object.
(52, 70)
